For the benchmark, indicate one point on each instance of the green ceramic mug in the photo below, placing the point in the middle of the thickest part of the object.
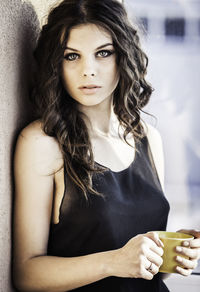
(170, 241)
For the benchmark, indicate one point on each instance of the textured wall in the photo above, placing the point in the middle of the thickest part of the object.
(19, 26)
(42, 7)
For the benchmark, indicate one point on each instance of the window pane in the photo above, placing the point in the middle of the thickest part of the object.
(175, 27)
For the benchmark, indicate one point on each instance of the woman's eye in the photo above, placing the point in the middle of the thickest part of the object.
(104, 53)
(71, 57)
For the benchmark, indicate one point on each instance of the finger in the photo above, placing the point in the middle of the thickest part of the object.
(154, 258)
(187, 264)
(155, 237)
(152, 244)
(184, 272)
(192, 243)
(158, 250)
(195, 233)
(189, 252)
(152, 268)
(147, 275)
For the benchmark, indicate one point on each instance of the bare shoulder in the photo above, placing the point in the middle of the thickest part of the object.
(156, 146)
(33, 144)
(152, 133)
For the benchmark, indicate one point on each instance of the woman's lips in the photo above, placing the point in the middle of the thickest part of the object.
(89, 89)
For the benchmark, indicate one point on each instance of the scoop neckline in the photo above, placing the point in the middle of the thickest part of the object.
(123, 170)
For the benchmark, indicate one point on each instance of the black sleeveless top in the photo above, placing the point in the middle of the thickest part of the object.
(133, 203)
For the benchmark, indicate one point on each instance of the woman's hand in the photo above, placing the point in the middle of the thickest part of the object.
(140, 257)
(191, 249)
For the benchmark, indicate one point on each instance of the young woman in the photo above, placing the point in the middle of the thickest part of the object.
(89, 172)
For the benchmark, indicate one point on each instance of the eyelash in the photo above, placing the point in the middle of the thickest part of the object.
(68, 56)
(108, 52)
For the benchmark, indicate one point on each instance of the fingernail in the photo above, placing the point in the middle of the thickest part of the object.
(186, 243)
(179, 259)
(179, 249)
(161, 243)
(178, 268)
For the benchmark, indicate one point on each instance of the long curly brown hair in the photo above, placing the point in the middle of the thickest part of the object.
(58, 111)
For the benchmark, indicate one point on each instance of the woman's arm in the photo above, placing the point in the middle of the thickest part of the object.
(37, 158)
(156, 146)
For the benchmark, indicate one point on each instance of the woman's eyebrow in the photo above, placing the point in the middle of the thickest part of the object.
(105, 45)
(100, 47)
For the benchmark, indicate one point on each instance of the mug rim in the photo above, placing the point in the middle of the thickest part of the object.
(184, 235)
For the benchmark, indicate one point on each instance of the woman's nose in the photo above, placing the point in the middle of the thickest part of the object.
(88, 68)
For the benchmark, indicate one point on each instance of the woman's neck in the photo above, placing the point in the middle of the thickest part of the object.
(101, 119)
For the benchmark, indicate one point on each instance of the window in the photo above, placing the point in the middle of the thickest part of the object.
(144, 23)
(199, 27)
(175, 27)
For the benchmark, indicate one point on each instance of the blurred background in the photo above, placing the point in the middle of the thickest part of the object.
(170, 32)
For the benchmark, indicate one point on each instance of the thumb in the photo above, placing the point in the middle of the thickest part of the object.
(193, 232)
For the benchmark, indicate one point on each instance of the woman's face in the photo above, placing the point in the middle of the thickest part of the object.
(89, 69)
